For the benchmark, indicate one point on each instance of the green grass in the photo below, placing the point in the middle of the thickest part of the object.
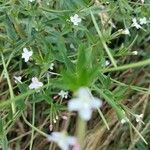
(44, 27)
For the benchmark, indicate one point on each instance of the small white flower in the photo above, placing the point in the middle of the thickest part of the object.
(75, 19)
(84, 103)
(26, 54)
(18, 79)
(135, 23)
(107, 63)
(135, 52)
(142, 1)
(126, 31)
(35, 84)
(31, 1)
(62, 140)
(51, 67)
(63, 94)
(139, 118)
(124, 120)
(143, 21)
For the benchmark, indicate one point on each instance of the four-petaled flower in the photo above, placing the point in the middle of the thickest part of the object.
(135, 23)
(143, 21)
(35, 84)
(84, 103)
(139, 118)
(124, 120)
(62, 140)
(75, 19)
(26, 54)
(63, 94)
(18, 79)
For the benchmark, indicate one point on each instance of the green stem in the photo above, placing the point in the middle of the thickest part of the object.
(10, 86)
(128, 66)
(103, 41)
(33, 127)
(81, 130)
(33, 122)
(103, 118)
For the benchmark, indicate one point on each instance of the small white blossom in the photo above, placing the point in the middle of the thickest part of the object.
(63, 94)
(84, 103)
(31, 1)
(135, 52)
(62, 140)
(135, 23)
(26, 54)
(142, 1)
(75, 19)
(139, 118)
(124, 120)
(143, 21)
(18, 79)
(35, 84)
(51, 67)
(107, 63)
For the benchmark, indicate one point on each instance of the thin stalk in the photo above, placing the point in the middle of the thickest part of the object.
(103, 41)
(128, 66)
(81, 130)
(33, 127)
(103, 118)
(10, 86)
(33, 122)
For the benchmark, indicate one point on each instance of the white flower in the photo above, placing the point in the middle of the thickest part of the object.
(18, 79)
(142, 1)
(124, 120)
(35, 84)
(135, 23)
(63, 94)
(84, 103)
(62, 140)
(143, 21)
(75, 19)
(31, 1)
(135, 52)
(126, 31)
(139, 118)
(107, 63)
(26, 54)
(51, 67)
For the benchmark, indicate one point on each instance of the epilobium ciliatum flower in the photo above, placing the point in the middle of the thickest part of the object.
(62, 140)
(143, 21)
(26, 54)
(139, 118)
(35, 84)
(84, 103)
(18, 79)
(135, 23)
(75, 19)
(63, 94)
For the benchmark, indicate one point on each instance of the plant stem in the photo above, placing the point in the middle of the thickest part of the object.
(33, 127)
(128, 66)
(81, 130)
(10, 86)
(103, 41)
(33, 122)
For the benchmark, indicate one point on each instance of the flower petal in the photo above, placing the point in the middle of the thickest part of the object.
(85, 114)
